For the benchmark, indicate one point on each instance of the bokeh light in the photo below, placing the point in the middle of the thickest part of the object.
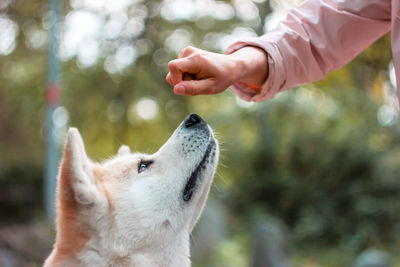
(60, 120)
(322, 158)
(387, 115)
(8, 33)
(147, 108)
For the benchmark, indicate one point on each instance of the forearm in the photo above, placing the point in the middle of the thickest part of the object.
(316, 38)
(252, 65)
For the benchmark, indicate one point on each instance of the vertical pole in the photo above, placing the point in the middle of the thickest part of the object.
(53, 95)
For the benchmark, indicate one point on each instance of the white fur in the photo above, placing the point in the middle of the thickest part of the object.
(147, 222)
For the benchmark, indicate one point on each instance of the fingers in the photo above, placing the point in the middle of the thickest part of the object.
(189, 61)
(178, 67)
(198, 87)
(187, 51)
(169, 79)
(194, 73)
(185, 77)
(175, 75)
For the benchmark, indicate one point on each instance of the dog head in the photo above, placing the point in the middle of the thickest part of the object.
(136, 201)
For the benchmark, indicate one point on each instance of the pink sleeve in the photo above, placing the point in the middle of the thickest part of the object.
(317, 37)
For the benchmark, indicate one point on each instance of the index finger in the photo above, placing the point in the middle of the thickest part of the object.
(180, 66)
(175, 75)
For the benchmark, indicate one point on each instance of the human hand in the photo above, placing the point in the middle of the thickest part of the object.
(198, 71)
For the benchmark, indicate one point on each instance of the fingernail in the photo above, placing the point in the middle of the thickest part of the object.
(179, 89)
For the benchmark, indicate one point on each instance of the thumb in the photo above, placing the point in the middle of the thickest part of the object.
(197, 87)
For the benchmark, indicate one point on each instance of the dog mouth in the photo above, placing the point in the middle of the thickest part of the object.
(190, 186)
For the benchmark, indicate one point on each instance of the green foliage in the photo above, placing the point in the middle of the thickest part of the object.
(324, 164)
(314, 156)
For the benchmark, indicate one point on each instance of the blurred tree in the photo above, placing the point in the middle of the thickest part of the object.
(315, 156)
(316, 160)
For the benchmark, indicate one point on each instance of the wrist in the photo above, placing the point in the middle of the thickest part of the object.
(251, 65)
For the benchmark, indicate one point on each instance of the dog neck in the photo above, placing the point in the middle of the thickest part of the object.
(95, 253)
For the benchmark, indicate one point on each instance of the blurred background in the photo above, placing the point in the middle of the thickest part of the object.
(309, 178)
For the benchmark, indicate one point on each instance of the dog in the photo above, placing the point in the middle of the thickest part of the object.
(134, 209)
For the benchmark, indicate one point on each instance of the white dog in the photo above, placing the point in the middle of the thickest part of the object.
(134, 209)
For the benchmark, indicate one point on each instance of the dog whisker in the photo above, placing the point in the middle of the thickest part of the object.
(156, 200)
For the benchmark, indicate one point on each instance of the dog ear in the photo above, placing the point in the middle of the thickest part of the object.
(123, 150)
(76, 175)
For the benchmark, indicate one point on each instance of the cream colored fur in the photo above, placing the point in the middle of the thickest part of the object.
(130, 210)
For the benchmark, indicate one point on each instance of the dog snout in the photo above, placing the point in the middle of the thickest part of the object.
(192, 120)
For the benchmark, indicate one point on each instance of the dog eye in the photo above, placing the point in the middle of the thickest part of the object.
(143, 165)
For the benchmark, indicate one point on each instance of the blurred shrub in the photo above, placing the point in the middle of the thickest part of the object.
(314, 156)
(332, 178)
(21, 191)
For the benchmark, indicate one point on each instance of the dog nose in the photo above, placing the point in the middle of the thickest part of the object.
(192, 120)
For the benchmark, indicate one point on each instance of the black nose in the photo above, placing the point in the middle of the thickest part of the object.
(192, 120)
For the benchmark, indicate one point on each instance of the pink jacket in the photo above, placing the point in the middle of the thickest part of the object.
(320, 36)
